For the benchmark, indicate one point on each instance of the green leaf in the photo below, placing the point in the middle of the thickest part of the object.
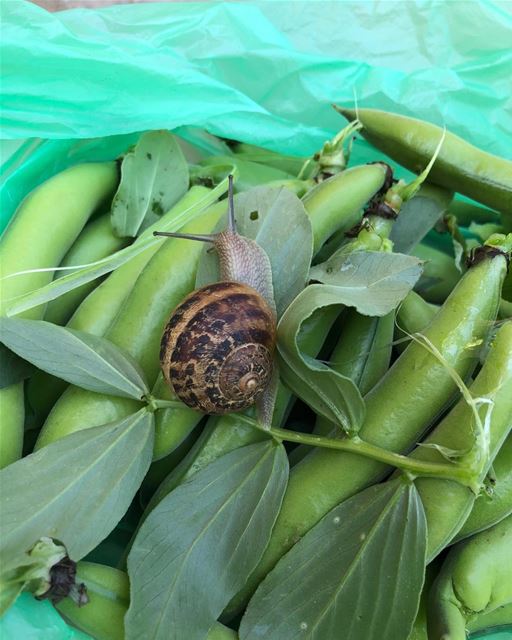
(13, 369)
(327, 392)
(88, 361)
(418, 216)
(374, 282)
(357, 575)
(74, 490)
(199, 545)
(277, 221)
(154, 176)
(79, 277)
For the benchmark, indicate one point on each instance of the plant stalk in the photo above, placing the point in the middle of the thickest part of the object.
(414, 467)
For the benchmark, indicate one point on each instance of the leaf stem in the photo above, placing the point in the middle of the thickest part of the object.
(167, 404)
(450, 471)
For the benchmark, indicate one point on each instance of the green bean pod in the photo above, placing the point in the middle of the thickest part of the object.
(439, 276)
(108, 590)
(488, 510)
(60, 206)
(362, 353)
(456, 431)
(399, 409)
(496, 619)
(413, 316)
(335, 205)
(476, 578)
(163, 283)
(12, 417)
(459, 166)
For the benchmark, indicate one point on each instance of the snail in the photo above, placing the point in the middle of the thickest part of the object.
(216, 351)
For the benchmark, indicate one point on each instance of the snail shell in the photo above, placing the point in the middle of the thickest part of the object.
(217, 348)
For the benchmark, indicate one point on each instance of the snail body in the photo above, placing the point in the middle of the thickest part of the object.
(216, 351)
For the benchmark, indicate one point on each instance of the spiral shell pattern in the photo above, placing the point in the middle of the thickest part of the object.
(217, 348)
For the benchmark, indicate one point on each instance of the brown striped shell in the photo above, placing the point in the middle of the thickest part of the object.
(217, 348)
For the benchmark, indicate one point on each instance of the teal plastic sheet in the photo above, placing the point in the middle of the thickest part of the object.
(82, 84)
(260, 72)
(264, 72)
(30, 619)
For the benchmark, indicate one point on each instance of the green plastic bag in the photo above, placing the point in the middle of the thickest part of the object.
(29, 619)
(260, 72)
(82, 84)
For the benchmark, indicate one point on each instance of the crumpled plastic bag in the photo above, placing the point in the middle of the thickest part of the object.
(82, 84)
(260, 72)
(30, 619)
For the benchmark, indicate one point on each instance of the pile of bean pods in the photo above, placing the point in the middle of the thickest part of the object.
(365, 493)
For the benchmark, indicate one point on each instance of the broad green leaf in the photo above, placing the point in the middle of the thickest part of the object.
(80, 358)
(357, 575)
(199, 545)
(13, 369)
(74, 490)
(327, 392)
(219, 436)
(374, 282)
(418, 216)
(277, 221)
(154, 176)
(79, 277)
